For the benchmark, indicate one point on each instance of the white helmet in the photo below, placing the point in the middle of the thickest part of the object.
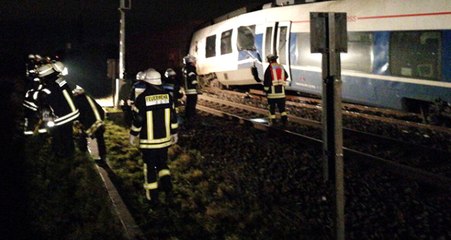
(49, 68)
(152, 76)
(140, 76)
(189, 59)
(170, 72)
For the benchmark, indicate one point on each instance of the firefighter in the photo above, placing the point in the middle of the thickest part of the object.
(137, 88)
(155, 124)
(31, 65)
(275, 80)
(90, 121)
(57, 103)
(190, 78)
(172, 84)
(33, 122)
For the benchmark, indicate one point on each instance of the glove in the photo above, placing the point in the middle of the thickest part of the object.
(174, 138)
(132, 139)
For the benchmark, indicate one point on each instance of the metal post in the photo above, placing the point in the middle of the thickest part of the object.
(124, 5)
(329, 32)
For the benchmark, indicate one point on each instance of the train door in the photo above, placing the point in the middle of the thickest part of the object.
(276, 41)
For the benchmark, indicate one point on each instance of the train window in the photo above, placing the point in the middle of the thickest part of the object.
(359, 55)
(246, 38)
(358, 58)
(416, 54)
(303, 55)
(268, 41)
(226, 42)
(210, 47)
(282, 45)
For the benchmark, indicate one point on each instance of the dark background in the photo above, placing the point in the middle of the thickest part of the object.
(85, 34)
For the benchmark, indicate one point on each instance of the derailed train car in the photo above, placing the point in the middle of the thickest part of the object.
(399, 52)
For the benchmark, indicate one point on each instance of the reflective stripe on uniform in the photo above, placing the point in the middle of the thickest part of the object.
(154, 146)
(164, 172)
(94, 127)
(167, 122)
(94, 108)
(135, 129)
(150, 186)
(67, 118)
(69, 100)
(149, 125)
(191, 91)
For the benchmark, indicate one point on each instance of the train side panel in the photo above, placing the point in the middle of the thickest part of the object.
(383, 34)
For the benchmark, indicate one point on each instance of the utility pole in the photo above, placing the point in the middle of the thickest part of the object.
(328, 35)
(124, 5)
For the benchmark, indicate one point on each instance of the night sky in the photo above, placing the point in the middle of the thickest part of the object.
(86, 32)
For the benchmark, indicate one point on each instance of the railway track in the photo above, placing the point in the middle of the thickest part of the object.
(426, 164)
(389, 116)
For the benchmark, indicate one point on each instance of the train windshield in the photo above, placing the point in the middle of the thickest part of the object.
(246, 38)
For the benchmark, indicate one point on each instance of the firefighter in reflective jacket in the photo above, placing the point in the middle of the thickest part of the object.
(190, 78)
(33, 120)
(137, 88)
(155, 124)
(172, 84)
(275, 80)
(90, 120)
(56, 96)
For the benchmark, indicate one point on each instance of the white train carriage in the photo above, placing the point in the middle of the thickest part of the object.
(398, 51)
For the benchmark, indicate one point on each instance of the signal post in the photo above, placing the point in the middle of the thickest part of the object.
(328, 35)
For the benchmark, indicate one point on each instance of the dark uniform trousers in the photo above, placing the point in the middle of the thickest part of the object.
(280, 103)
(62, 141)
(191, 101)
(156, 168)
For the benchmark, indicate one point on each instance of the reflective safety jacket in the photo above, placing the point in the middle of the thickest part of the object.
(275, 80)
(91, 113)
(33, 123)
(172, 85)
(190, 78)
(137, 88)
(154, 118)
(58, 96)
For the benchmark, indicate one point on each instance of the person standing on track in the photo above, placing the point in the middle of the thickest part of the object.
(275, 80)
(155, 124)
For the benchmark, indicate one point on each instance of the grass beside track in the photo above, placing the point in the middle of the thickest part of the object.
(66, 197)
